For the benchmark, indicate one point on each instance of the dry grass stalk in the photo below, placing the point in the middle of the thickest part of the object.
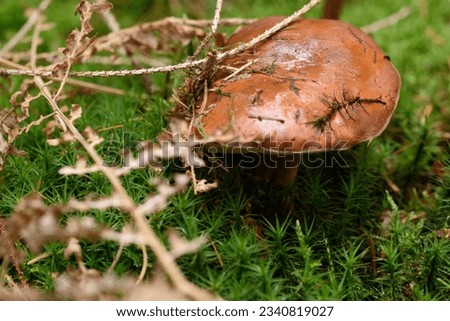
(26, 27)
(391, 20)
(88, 87)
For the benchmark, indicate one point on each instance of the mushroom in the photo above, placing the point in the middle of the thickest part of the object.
(314, 86)
(332, 9)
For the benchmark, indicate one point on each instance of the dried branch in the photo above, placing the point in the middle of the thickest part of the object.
(388, 21)
(113, 24)
(180, 246)
(26, 27)
(208, 37)
(78, 40)
(74, 82)
(10, 122)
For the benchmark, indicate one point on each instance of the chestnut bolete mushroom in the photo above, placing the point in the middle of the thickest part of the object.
(316, 85)
(332, 9)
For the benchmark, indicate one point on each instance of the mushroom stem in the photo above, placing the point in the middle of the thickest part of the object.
(332, 9)
(280, 170)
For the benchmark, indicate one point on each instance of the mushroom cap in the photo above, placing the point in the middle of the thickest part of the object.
(315, 85)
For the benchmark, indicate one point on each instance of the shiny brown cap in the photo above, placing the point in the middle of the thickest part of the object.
(315, 85)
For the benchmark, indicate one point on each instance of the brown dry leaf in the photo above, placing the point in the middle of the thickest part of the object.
(11, 118)
(443, 233)
(37, 224)
(92, 137)
(35, 123)
(8, 126)
(73, 248)
(85, 9)
(50, 127)
(10, 129)
(14, 98)
(157, 202)
(90, 202)
(180, 246)
(102, 6)
(202, 186)
(78, 41)
(67, 137)
(4, 148)
(75, 112)
(165, 35)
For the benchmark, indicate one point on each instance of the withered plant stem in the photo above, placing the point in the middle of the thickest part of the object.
(214, 25)
(70, 81)
(391, 20)
(35, 16)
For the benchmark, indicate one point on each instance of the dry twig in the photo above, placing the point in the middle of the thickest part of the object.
(208, 37)
(74, 82)
(35, 16)
(388, 21)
